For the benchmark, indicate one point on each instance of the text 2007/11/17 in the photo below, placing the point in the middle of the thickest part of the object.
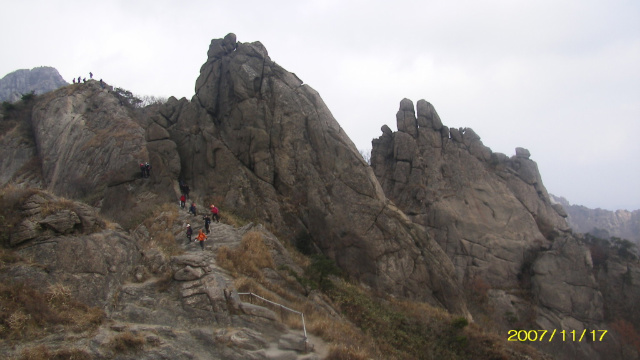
(562, 335)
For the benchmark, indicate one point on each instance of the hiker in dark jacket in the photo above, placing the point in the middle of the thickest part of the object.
(207, 222)
(192, 209)
(189, 232)
(143, 170)
(147, 168)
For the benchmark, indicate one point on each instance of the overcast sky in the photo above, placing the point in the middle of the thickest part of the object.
(560, 78)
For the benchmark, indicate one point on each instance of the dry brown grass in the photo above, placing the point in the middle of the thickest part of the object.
(346, 352)
(127, 342)
(249, 258)
(42, 352)
(160, 225)
(52, 207)
(29, 313)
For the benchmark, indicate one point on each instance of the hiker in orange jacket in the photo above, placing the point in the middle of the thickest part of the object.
(201, 237)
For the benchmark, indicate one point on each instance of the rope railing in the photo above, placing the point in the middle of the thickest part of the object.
(282, 307)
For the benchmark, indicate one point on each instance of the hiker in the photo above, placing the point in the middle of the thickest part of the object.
(192, 208)
(182, 200)
(207, 222)
(74, 80)
(148, 169)
(214, 213)
(201, 237)
(90, 75)
(79, 79)
(101, 84)
(143, 170)
(186, 190)
(84, 80)
(189, 232)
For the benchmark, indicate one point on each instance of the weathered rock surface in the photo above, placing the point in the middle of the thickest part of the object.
(494, 218)
(41, 80)
(256, 136)
(71, 246)
(89, 144)
(484, 209)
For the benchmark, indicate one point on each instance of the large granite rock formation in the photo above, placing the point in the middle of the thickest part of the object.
(485, 209)
(494, 218)
(89, 144)
(71, 245)
(40, 80)
(255, 136)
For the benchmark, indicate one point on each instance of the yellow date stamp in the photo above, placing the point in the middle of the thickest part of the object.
(557, 335)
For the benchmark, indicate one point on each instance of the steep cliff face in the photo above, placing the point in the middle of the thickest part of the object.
(602, 223)
(483, 208)
(493, 217)
(41, 80)
(255, 136)
(89, 144)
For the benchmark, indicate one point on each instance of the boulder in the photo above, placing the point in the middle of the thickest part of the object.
(62, 221)
(522, 153)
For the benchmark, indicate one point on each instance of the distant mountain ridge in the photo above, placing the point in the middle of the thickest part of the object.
(40, 79)
(602, 223)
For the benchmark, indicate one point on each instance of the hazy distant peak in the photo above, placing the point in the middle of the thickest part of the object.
(40, 79)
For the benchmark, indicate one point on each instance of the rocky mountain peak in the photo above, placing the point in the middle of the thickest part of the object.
(266, 144)
(40, 80)
(465, 194)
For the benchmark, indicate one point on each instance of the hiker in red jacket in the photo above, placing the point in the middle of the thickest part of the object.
(214, 213)
(182, 200)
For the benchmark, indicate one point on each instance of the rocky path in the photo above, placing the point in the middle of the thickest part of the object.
(200, 305)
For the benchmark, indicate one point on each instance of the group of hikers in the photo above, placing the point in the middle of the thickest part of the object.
(207, 218)
(145, 169)
(81, 79)
(84, 80)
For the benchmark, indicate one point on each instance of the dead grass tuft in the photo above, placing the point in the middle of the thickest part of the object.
(249, 258)
(29, 313)
(127, 342)
(42, 352)
(160, 226)
(346, 352)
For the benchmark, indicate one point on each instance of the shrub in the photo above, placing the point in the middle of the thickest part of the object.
(628, 333)
(28, 96)
(7, 107)
(126, 97)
